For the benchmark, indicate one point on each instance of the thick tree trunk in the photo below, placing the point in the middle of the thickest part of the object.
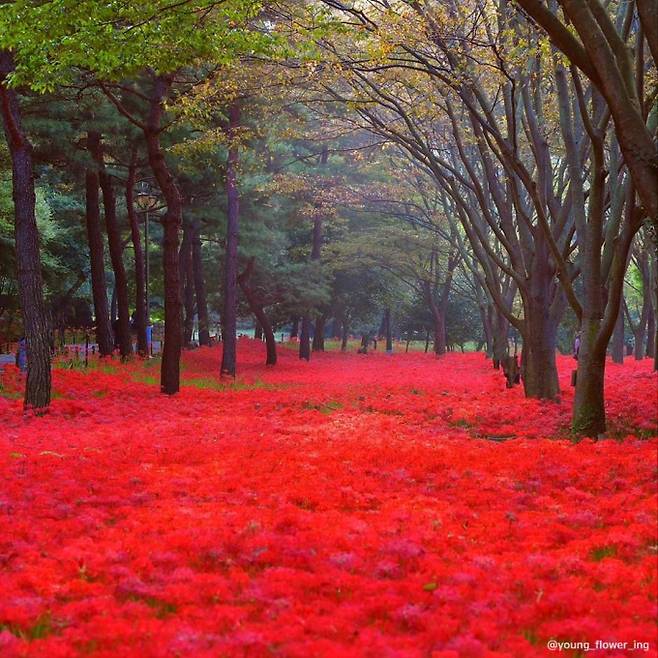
(200, 286)
(229, 317)
(500, 329)
(618, 339)
(318, 335)
(588, 407)
(141, 318)
(104, 336)
(115, 247)
(304, 339)
(539, 369)
(26, 234)
(344, 336)
(439, 333)
(170, 366)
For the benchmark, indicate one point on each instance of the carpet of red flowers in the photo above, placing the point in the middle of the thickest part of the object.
(355, 506)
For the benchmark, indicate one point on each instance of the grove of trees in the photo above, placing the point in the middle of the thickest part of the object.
(461, 173)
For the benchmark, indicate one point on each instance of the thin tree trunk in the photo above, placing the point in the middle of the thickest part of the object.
(344, 336)
(229, 317)
(304, 339)
(200, 286)
(104, 336)
(187, 283)
(115, 247)
(387, 330)
(259, 313)
(140, 275)
(294, 329)
(26, 234)
(618, 339)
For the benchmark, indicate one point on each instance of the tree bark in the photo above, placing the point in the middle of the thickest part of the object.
(26, 234)
(104, 336)
(115, 247)
(318, 335)
(344, 335)
(387, 330)
(304, 340)
(170, 366)
(229, 317)
(618, 339)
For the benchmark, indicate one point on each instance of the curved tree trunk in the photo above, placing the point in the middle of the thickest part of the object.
(170, 366)
(229, 317)
(26, 234)
(115, 247)
(258, 311)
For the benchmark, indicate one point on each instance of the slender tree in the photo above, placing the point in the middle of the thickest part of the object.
(26, 234)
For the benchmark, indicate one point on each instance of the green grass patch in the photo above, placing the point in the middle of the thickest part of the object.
(602, 552)
(325, 408)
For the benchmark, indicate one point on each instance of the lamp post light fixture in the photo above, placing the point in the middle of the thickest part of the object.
(147, 201)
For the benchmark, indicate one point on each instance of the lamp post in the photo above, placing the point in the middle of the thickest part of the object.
(147, 201)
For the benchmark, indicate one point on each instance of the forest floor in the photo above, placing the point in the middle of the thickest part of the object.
(355, 506)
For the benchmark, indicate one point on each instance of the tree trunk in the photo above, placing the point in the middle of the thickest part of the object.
(387, 330)
(104, 336)
(588, 407)
(258, 331)
(304, 339)
(344, 336)
(539, 369)
(200, 286)
(439, 334)
(651, 333)
(261, 317)
(141, 318)
(500, 329)
(229, 317)
(187, 284)
(115, 247)
(26, 234)
(618, 339)
(170, 366)
(318, 335)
